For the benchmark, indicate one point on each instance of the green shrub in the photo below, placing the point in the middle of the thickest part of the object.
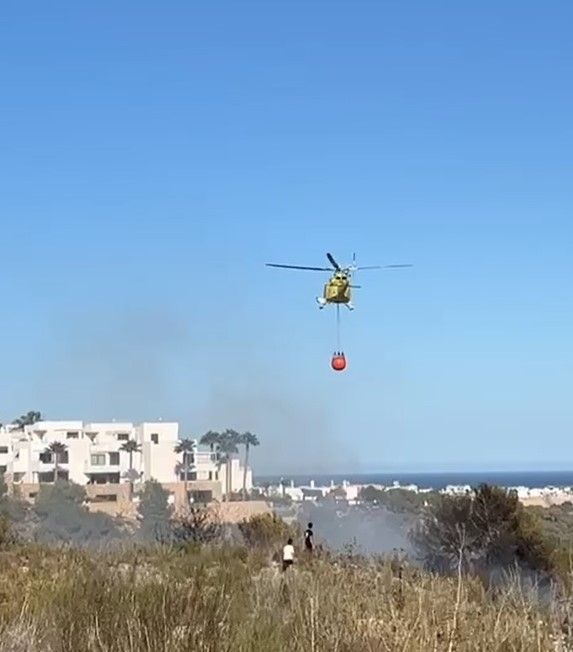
(61, 517)
(5, 532)
(397, 499)
(485, 528)
(154, 513)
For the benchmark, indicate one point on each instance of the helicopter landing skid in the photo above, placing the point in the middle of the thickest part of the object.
(322, 303)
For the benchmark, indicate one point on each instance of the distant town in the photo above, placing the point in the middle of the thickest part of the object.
(353, 493)
(112, 461)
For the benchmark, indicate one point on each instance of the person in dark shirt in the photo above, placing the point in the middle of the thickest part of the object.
(309, 538)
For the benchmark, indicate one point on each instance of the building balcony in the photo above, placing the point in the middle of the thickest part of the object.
(39, 466)
(47, 477)
(105, 447)
(90, 468)
(104, 478)
(191, 466)
(206, 457)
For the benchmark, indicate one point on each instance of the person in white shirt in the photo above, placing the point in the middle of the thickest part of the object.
(288, 555)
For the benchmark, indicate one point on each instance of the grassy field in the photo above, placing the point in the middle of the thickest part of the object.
(226, 598)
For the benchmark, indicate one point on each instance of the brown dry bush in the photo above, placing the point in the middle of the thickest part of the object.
(265, 530)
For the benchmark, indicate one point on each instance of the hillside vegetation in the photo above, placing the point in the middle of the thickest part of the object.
(230, 599)
(187, 585)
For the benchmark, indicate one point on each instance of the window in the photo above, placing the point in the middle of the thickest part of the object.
(105, 498)
(155, 438)
(3, 469)
(72, 435)
(122, 436)
(98, 459)
(3, 450)
(210, 475)
(114, 459)
(104, 478)
(48, 458)
(201, 497)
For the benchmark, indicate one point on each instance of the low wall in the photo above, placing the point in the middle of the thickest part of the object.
(237, 511)
(177, 489)
(114, 499)
(547, 500)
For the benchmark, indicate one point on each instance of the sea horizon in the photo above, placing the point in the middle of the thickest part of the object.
(430, 479)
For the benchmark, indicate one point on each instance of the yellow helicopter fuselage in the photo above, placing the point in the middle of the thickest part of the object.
(337, 289)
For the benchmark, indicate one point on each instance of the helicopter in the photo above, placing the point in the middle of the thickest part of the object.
(338, 288)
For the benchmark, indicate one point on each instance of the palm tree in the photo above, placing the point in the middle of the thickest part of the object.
(210, 439)
(187, 447)
(27, 419)
(226, 444)
(247, 439)
(57, 450)
(130, 447)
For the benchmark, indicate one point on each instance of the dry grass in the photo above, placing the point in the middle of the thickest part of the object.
(228, 599)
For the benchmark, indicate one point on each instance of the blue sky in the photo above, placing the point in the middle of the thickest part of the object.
(155, 155)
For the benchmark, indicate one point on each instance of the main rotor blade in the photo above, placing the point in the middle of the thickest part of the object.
(384, 266)
(312, 269)
(333, 262)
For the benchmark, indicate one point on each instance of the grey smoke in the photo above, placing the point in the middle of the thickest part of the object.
(297, 431)
(374, 530)
(143, 364)
(113, 367)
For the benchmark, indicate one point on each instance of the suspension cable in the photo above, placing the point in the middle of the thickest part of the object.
(338, 327)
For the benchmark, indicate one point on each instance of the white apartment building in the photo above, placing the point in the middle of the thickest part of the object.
(94, 456)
